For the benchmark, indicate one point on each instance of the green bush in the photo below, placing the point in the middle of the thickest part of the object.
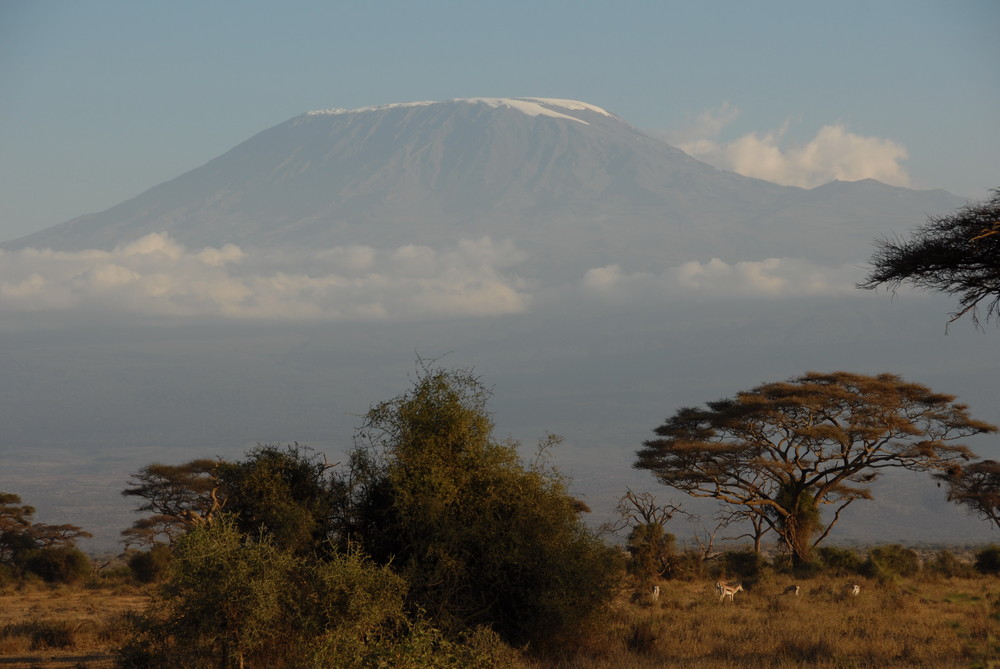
(946, 564)
(481, 538)
(841, 561)
(57, 564)
(988, 560)
(151, 565)
(230, 601)
(887, 563)
(745, 566)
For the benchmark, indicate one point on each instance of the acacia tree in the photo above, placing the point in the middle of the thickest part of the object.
(783, 451)
(180, 498)
(957, 254)
(20, 536)
(975, 486)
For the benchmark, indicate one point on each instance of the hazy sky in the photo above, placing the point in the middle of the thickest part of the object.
(102, 100)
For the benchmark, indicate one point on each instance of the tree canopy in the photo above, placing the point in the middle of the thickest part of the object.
(783, 451)
(957, 254)
(975, 486)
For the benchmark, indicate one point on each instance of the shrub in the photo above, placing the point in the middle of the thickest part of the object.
(841, 560)
(151, 565)
(946, 564)
(988, 560)
(57, 564)
(744, 565)
(886, 563)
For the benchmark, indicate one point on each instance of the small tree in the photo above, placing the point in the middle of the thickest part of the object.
(180, 497)
(957, 254)
(651, 547)
(784, 450)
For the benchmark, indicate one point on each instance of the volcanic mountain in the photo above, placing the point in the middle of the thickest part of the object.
(571, 183)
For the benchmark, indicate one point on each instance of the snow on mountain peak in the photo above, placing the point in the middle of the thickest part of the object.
(529, 106)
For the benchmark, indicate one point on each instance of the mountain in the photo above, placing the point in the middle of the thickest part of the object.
(573, 183)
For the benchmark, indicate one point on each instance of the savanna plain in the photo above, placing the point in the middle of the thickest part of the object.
(926, 621)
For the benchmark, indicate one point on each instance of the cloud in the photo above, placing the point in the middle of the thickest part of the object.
(834, 153)
(471, 278)
(156, 275)
(767, 279)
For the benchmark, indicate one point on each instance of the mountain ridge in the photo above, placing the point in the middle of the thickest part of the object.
(569, 180)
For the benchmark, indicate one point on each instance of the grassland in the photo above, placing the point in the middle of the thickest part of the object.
(929, 622)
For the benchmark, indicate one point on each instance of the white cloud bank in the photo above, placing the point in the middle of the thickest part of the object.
(472, 278)
(767, 279)
(834, 153)
(155, 275)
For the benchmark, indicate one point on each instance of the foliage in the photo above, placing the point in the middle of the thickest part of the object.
(988, 560)
(784, 450)
(957, 254)
(946, 564)
(286, 493)
(231, 600)
(149, 566)
(481, 538)
(887, 563)
(651, 550)
(841, 560)
(746, 566)
(57, 564)
(179, 496)
(975, 486)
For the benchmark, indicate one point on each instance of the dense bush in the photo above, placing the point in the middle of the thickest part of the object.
(988, 560)
(149, 566)
(746, 566)
(57, 564)
(946, 564)
(886, 563)
(481, 538)
(841, 561)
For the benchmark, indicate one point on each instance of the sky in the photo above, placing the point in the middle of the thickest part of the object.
(104, 99)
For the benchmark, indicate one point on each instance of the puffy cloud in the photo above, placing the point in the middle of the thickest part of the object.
(156, 275)
(834, 153)
(771, 278)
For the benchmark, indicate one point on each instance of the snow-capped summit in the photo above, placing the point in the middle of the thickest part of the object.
(528, 106)
(571, 182)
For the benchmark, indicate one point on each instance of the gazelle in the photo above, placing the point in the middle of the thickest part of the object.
(727, 590)
(791, 590)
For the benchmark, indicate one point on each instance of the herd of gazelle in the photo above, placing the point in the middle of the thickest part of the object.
(730, 589)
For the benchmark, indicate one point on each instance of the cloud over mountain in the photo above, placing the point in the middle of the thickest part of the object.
(834, 153)
(155, 275)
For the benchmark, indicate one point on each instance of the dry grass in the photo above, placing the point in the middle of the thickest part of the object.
(943, 623)
(63, 626)
(940, 623)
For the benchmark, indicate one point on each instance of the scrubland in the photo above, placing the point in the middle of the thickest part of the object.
(924, 622)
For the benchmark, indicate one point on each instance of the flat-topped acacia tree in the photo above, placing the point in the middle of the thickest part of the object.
(783, 451)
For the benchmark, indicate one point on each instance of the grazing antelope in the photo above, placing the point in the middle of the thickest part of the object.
(791, 590)
(727, 590)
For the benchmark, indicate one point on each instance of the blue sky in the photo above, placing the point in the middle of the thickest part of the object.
(102, 100)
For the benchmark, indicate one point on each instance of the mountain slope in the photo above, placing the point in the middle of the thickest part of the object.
(573, 183)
